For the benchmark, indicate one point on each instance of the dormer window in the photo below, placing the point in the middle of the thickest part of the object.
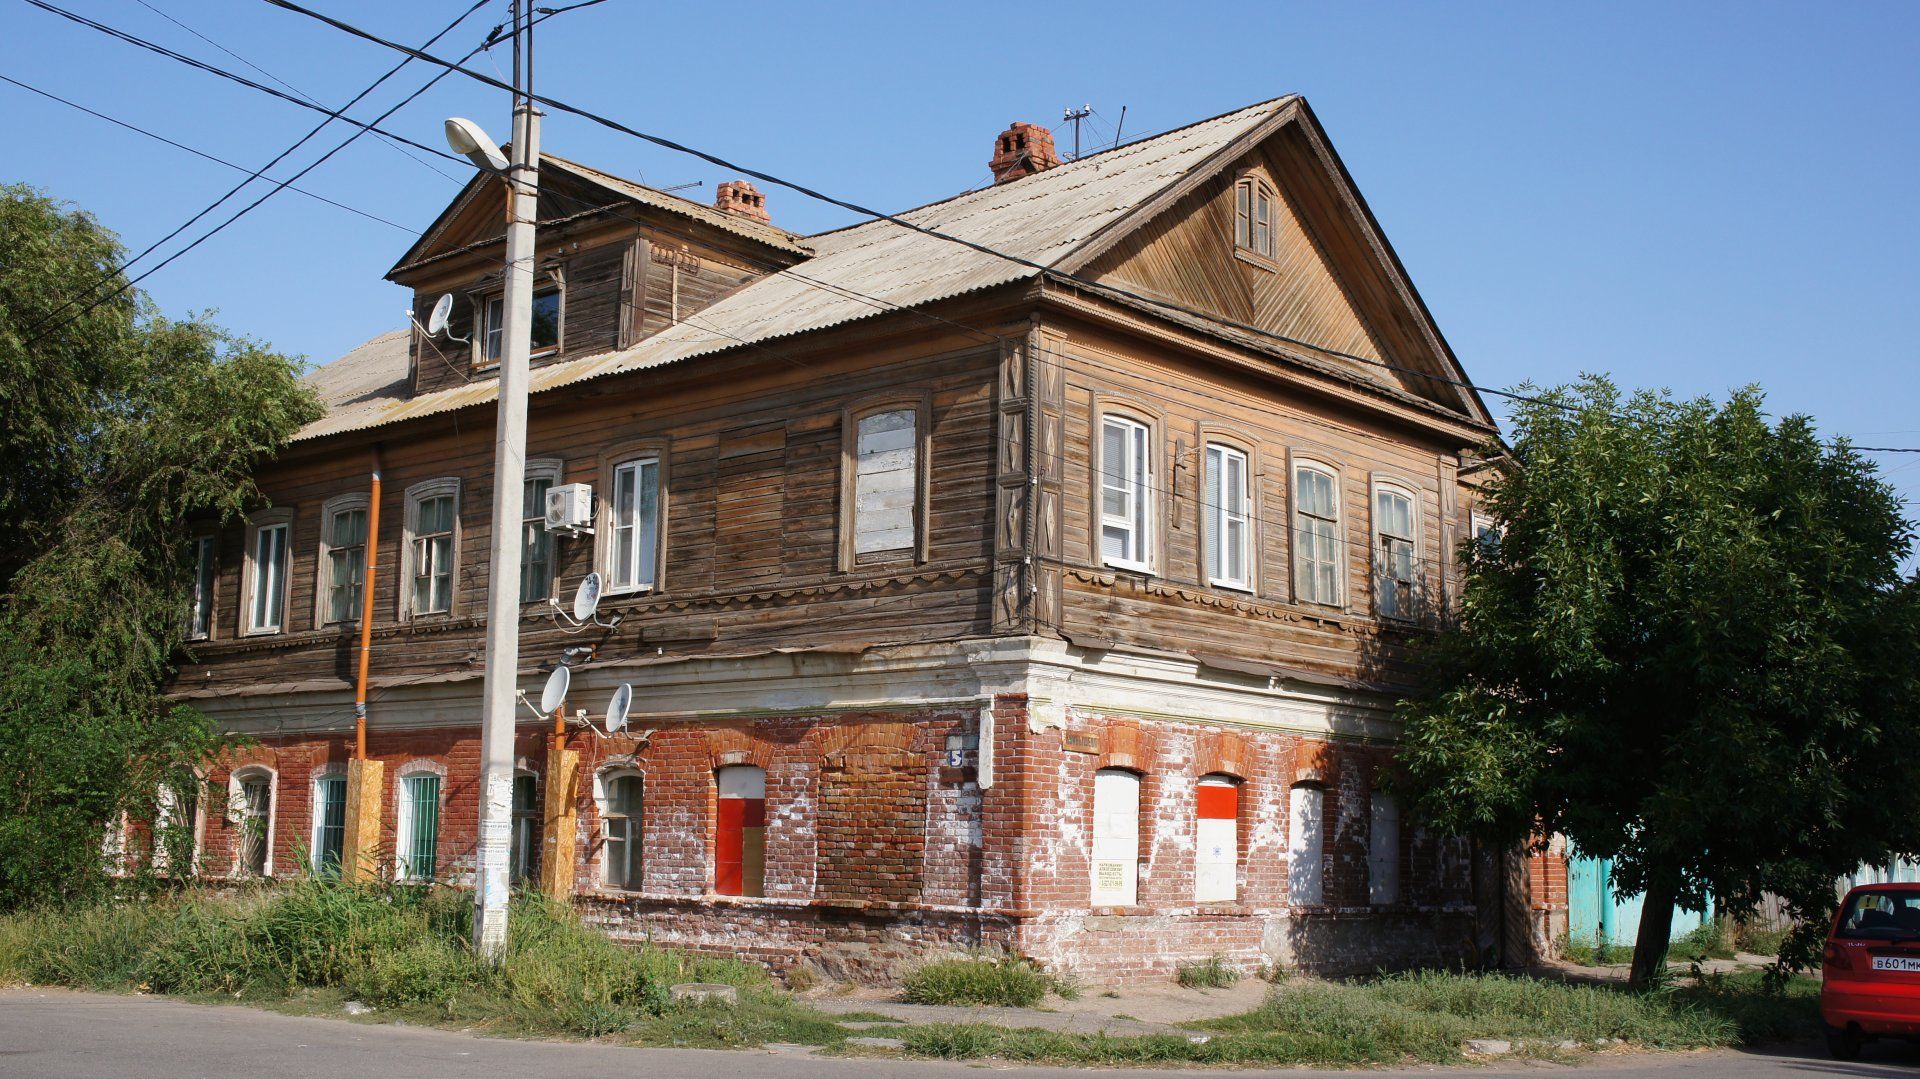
(1253, 200)
(546, 324)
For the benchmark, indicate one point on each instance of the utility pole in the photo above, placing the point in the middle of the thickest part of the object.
(1077, 115)
(501, 684)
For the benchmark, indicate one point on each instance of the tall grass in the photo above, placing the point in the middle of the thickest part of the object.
(1424, 1017)
(391, 947)
(1004, 981)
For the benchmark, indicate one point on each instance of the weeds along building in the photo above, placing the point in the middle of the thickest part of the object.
(1050, 590)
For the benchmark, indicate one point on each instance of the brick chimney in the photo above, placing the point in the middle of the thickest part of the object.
(741, 197)
(1022, 150)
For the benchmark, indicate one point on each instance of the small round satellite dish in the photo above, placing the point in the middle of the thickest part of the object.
(442, 310)
(555, 695)
(617, 707)
(586, 598)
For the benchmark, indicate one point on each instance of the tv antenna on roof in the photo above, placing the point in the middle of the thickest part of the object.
(1077, 115)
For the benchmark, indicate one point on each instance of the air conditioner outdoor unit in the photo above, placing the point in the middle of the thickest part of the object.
(570, 508)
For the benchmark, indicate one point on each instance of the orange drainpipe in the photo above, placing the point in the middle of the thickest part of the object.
(366, 612)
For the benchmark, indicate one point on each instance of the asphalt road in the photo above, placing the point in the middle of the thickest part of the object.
(55, 1034)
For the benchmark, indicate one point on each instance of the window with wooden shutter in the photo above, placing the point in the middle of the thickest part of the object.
(1216, 871)
(740, 840)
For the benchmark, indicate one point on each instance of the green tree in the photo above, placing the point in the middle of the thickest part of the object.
(121, 427)
(1689, 649)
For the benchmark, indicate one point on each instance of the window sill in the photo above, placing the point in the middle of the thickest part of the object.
(1142, 568)
(1246, 588)
(1254, 258)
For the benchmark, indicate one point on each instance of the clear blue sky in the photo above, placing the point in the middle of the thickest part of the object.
(1695, 195)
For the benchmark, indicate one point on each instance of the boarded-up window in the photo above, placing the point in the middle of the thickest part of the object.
(740, 845)
(1306, 833)
(1116, 838)
(872, 826)
(1383, 851)
(886, 471)
(620, 828)
(1216, 871)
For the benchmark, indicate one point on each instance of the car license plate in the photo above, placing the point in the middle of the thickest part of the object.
(1897, 962)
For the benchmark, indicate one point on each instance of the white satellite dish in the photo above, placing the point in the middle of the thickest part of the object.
(617, 707)
(586, 598)
(555, 695)
(442, 310)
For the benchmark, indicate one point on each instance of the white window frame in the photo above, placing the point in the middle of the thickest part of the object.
(651, 566)
(330, 773)
(603, 782)
(416, 496)
(1378, 537)
(323, 576)
(1383, 850)
(237, 813)
(403, 820)
(1338, 522)
(1218, 519)
(1135, 478)
(1306, 847)
(533, 520)
(167, 804)
(206, 578)
(280, 582)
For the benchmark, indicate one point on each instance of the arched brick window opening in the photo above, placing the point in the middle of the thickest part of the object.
(740, 839)
(1216, 876)
(1116, 838)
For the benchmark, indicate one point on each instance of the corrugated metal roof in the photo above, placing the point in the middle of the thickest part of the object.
(767, 234)
(1042, 218)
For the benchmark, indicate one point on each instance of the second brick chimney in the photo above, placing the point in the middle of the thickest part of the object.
(741, 197)
(1022, 150)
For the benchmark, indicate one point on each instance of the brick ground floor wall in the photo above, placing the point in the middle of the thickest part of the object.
(882, 846)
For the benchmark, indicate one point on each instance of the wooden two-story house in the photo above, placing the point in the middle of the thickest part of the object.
(1039, 576)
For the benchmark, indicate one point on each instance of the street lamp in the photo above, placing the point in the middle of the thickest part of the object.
(501, 682)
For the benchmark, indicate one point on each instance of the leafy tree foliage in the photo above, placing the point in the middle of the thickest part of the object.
(121, 426)
(1689, 649)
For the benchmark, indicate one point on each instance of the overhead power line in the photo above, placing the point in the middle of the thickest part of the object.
(332, 115)
(195, 151)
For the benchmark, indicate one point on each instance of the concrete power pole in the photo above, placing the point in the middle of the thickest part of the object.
(502, 677)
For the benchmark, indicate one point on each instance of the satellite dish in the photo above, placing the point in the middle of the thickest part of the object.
(617, 707)
(586, 598)
(555, 695)
(442, 309)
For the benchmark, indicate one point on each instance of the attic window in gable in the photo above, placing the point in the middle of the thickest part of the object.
(546, 323)
(1253, 200)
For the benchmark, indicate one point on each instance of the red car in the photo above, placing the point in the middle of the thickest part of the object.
(1871, 970)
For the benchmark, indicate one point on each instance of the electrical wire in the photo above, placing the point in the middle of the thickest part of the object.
(34, 332)
(49, 95)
